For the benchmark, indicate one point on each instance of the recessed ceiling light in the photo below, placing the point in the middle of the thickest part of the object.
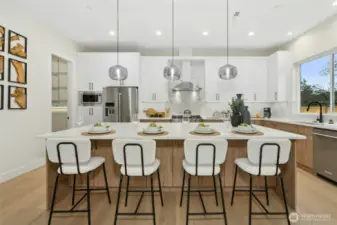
(334, 3)
(159, 33)
(112, 33)
(88, 7)
(205, 33)
(251, 33)
(290, 33)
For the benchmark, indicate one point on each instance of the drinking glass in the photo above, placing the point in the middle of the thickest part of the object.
(135, 118)
(79, 120)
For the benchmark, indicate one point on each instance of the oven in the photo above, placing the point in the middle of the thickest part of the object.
(89, 98)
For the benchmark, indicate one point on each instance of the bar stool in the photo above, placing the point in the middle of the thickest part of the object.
(203, 158)
(74, 157)
(137, 158)
(264, 159)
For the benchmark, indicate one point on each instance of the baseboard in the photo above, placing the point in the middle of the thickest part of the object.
(305, 168)
(21, 170)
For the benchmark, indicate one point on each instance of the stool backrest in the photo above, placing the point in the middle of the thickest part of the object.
(68, 150)
(205, 152)
(134, 152)
(268, 152)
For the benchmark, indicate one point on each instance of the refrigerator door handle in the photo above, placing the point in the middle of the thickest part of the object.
(119, 107)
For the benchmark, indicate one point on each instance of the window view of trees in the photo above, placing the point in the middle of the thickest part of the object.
(316, 84)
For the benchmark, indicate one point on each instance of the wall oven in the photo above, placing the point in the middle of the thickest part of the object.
(88, 98)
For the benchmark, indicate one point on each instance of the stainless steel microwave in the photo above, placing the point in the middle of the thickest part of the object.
(90, 98)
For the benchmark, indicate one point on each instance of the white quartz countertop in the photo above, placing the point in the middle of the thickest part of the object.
(176, 131)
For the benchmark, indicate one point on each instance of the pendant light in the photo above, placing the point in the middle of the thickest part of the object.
(118, 72)
(172, 72)
(228, 71)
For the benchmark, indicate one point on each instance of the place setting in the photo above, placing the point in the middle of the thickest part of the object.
(204, 130)
(246, 129)
(99, 129)
(153, 130)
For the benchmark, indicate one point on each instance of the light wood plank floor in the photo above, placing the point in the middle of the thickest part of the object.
(22, 202)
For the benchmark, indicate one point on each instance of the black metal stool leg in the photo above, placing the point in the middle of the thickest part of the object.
(215, 191)
(266, 188)
(88, 199)
(223, 200)
(285, 199)
(74, 189)
(106, 183)
(118, 198)
(182, 190)
(127, 191)
(188, 198)
(161, 193)
(234, 184)
(250, 199)
(53, 200)
(153, 204)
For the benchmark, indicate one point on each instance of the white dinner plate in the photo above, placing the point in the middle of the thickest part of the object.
(204, 131)
(246, 131)
(99, 131)
(145, 131)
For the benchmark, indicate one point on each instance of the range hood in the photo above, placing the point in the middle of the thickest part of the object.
(186, 85)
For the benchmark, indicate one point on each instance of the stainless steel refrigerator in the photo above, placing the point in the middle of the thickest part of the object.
(120, 104)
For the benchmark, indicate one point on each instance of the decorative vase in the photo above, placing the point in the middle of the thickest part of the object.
(236, 120)
(241, 104)
(246, 115)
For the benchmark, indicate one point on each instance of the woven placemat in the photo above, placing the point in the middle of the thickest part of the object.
(259, 133)
(161, 134)
(212, 134)
(89, 134)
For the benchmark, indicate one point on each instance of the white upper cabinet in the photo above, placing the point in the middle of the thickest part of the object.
(279, 74)
(250, 81)
(153, 85)
(93, 70)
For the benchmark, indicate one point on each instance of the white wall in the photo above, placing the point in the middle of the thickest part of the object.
(20, 151)
(321, 40)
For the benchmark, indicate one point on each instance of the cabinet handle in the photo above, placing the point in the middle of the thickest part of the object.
(155, 96)
(89, 111)
(254, 96)
(92, 111)
(275, 96)
(324, 135)
(92, 86)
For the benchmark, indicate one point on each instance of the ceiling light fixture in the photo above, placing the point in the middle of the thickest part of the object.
(205, 33)
(228, 71)
(172, 72)
(251, 33)
(118, 72)
(290, 33)
(112, 33)
(159, 33)
(334, 3)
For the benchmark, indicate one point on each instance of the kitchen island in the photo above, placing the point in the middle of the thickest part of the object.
(170, 152)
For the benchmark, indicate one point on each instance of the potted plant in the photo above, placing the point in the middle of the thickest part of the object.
(236, 114)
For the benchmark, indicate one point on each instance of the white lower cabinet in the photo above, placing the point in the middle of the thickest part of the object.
(91, 115)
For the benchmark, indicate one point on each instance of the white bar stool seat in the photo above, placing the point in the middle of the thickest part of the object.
(85, 167)
(137, 170)
(73, 155)
(203, 170)
(248, 167)
(264, 159)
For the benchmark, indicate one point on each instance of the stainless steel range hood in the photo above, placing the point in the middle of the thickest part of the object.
(187, 86)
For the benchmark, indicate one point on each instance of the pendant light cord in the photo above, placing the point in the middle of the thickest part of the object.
(227, 32)
(173, 32)
(117, 32)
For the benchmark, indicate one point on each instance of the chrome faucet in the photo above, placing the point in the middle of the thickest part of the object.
(320, 117)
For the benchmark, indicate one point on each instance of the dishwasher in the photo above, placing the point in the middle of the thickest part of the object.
(325, 153)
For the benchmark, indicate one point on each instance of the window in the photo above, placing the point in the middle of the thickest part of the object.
(316, 84)
(60, 82)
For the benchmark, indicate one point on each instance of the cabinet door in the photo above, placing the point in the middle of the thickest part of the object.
(272, 71)
(132, 62)
(213, 84)
(85, 112)
(94, 68)
(97, 114)
(154, 87)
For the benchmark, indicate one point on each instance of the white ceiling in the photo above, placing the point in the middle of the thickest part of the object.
(88, 22)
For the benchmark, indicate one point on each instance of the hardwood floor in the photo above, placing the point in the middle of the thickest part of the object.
(22, 202)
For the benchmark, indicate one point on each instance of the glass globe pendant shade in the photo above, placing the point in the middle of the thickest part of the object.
(118, 72)
(228, 72)
(172, 72)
